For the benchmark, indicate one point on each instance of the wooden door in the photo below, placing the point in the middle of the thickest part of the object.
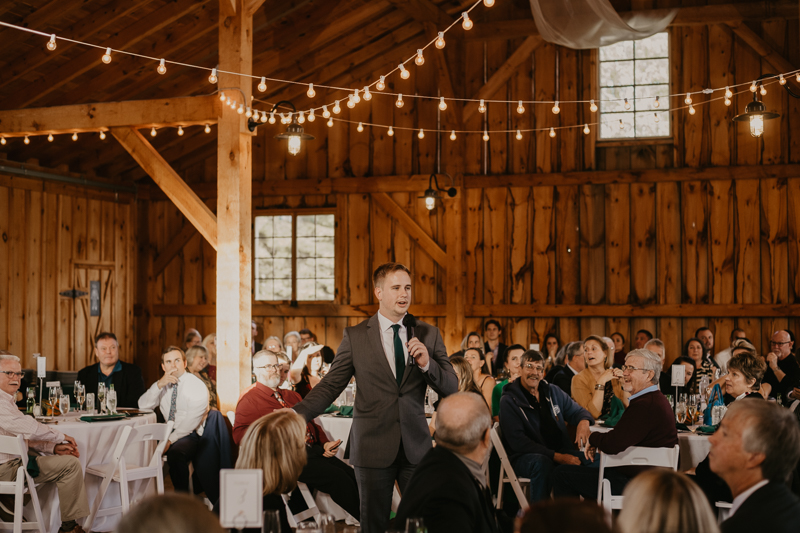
(86, 321)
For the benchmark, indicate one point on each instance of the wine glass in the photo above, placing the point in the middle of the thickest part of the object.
(90, 402)
(63, 403)
(111, 399)
(80, 395)
(53, 392)
(272, 522)
(680, 412)
(101, 397)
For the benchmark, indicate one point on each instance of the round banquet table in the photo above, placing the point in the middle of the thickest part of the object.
(96, 442)
(694, 447)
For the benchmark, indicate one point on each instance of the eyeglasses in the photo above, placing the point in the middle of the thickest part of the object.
(531, 366)
(272, 367)
(628, 368)
(11, 374)
(775, 343)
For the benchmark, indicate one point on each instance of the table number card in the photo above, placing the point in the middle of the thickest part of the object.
(534, 347)
(678, 375)
(53, 384)
(41, 367)
(240, 498)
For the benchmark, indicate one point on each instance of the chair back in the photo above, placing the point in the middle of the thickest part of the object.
(633, 456)
(158, 433)
(507, 474)
(15, 446)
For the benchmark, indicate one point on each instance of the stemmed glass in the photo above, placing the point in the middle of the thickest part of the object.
(80, 395)
(53, 400)
(111, 399)
(272, 522)
(101, 397)
(63, 403)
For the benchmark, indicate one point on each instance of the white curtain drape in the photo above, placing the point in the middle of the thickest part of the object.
(582, 24)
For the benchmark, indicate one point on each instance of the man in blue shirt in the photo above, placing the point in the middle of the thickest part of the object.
(109, 370)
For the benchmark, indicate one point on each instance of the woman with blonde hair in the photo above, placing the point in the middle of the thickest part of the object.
(210, 343)
(275, 444)
(663, 501)
(197, 364)
(595, 386)
(274, 344)
(466, 383)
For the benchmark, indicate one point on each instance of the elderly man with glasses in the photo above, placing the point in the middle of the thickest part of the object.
(533, 417)
(648, 421)
(323, 471)
(783, 371)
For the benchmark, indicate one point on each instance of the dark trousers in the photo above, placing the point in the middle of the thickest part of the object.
(572, 481)
(539, 469)
(375, 486)
(180, 454)
(331, 475)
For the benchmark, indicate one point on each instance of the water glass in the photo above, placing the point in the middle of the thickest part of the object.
(415, 525)
(63, 403)
(101, 397)
(80, 395)
(111, 400)
(327, 524)
(90, 402)
(53, 396)
(272, 522)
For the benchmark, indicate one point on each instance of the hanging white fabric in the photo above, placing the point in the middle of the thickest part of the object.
(582, 24)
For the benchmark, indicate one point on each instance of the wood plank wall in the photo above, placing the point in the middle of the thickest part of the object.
(716, 242)
(53, 237)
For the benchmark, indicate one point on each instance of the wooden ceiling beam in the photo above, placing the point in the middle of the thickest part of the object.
(173, 248)
(414, 230)
(503, 74)
(687, 16)
(761, 47)
(251, 6)
(173, 186)
(125, 39)
(424, 11)
(193, 110)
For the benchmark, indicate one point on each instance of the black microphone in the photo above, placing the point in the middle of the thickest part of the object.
(410, 322)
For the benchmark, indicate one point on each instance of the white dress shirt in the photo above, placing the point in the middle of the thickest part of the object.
(722, 359)
(39, 437)
(387, 336)
(740, 499)
(190, 407)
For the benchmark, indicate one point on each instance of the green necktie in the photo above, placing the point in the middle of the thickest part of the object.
(399, 355)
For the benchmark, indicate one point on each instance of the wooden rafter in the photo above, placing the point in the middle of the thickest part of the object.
(173, 186)
(424, 11)
(172, 249)
(761, 47)
(194, 110)
(503, 74)
(425, 241)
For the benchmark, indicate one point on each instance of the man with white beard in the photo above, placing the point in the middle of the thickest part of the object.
(323, 471)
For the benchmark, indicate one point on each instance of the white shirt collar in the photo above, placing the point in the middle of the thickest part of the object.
(386, 323)
(575, 372)
(740, 499)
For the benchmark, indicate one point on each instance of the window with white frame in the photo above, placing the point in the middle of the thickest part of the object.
(294, 256)
(639, 72)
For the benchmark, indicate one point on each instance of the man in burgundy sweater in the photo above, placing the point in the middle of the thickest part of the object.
(324, 471)
(648, 421)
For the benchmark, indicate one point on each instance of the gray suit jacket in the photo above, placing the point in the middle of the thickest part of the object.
(383, 413)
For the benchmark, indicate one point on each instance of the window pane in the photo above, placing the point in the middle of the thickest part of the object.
(610, 127)
(325, 268)
(306, 268)
(646, 126)
(325, 247)
(306, 290)
(282, 269)
(654, 46)
(616, 73)
(305, 247)
(283, 289)
(622, 50)
(283, 248)
(325, 225)
(613, 99)
(263, 268)
(650, 71)
(645, 97)
(306, 225)
(325, 289)
(283, 226)
(264, 226)
(264, 289)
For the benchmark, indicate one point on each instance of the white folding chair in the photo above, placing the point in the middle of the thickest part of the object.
(22, 485)
(312, 510)
(633, 456)
(119, 471)
(507, 474)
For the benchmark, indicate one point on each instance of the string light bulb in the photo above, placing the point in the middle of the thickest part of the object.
(240, 110)
(656, 103)
(442, 103)
(360, 127)
(655, 117)
(180, 131)
(107, 56)
(556, 109)
(325, 112)
(586, 129)
(311, 116)
(485, 136)
(753, 87)
(782, 80)
(381, 85)
(26, 140)
(440, 41)
(302, 118)
(51, 44)
(272, 117)
(153, 133)
(249, 112)
(367, 94)
(481, 106)
(75, 136)
(399, 103)
(688, 99)
(453, 135)
(330, 122)
(390, 132)
(520, 108)
(592, 106)
(467, 23)
(621, 125)
(763, 90)
(228, 100)
(162, 67)
(728, 93)
(221, 96)
(404, 73)
(264, 116)
(212, 78)
(311, 93)
(797, 77)
(488, 3)
(50, 138)
(421, 134)
(207, 129)
(103, 135)
(519, 135)
(262, 86)
(552, 132)
(727, 101)
(356, 97)
(336, 108)
(691, 109)
(419, 60)
(3, 141)
(627, 105)
(351, 103)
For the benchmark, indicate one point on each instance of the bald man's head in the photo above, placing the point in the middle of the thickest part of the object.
(462, 421)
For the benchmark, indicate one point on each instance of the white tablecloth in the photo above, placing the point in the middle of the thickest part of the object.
(96, 442)
(694, 448)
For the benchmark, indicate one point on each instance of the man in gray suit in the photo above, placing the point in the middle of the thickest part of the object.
(393, 361)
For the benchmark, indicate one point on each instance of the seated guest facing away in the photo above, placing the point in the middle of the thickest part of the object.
(322, 470)
(60, 460)
(663, 501)
(275, 444)
(532, 417)
(563, 516)
(754, 450)
(594, 387)
(126, 377)
(182, 398)
(448, 487)
(575, 364)
(463, 372)
(783, 372)
(169, 513)
(510, 362)
(648, 422)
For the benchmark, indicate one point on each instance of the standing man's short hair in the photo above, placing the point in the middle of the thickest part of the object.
(646, 332)
(384, 270)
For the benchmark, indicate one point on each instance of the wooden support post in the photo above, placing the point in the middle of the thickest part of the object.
(456, 273)
(234, 210)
